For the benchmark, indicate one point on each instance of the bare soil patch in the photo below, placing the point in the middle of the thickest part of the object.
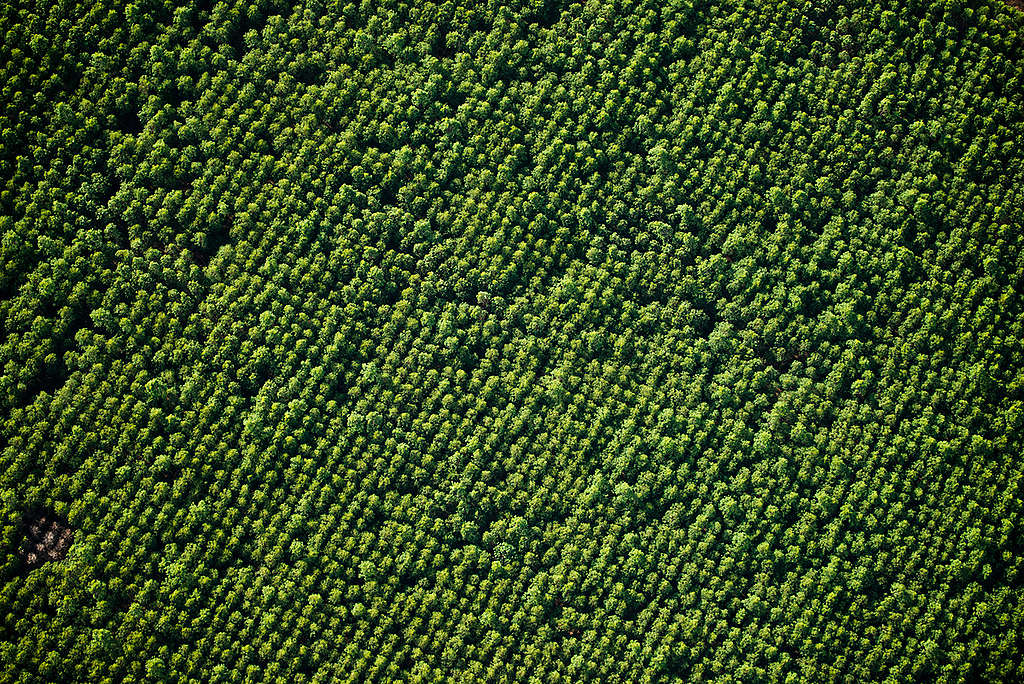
(47, 538)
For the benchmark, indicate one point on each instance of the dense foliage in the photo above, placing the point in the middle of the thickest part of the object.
(551, 342)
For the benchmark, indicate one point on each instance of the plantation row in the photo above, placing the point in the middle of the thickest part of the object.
(572, 341)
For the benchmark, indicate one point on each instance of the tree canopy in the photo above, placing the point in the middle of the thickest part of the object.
(554, 341)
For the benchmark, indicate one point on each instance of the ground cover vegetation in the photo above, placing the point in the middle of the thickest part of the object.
(518, 342)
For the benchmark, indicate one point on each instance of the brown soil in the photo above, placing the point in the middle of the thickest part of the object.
(47, 538)
(1019, 4)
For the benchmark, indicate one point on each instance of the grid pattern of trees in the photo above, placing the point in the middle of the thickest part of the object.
(545, 341)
